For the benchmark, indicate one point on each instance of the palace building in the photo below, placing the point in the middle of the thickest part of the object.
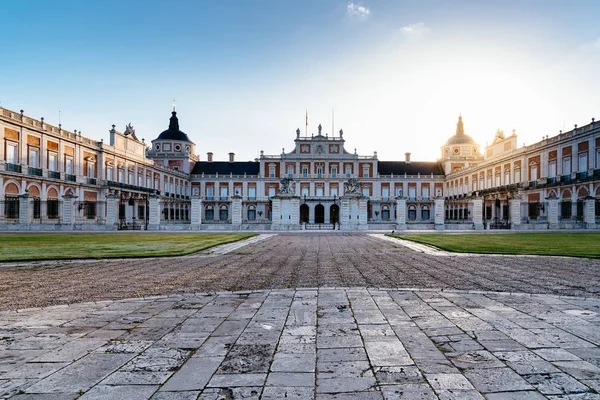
(54, 179)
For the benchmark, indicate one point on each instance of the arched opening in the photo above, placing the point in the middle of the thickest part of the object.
(319, 214)
(304, 213)
(334, 214)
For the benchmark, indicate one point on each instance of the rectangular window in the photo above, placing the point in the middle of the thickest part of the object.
(34, 153)
(517, 176)
(412, 192)
(552, 169)
(319, 191)
(272, 171)
(304, 172)
(507, 178)
(148, 182)
(271, 191)
(334, 171)
(583, 162)
(365, 191)
(385, 192)
(425, 192)
(304, 191)
(130, 181)
(52, 162)
(566, 166)
(334, 191)
(69, 166)
(319, 171)
(534, 172)
(140, 180)
(223, 193)
(90, 170)
(498, 183)
(121, 175)
(366, 172)
(348, 170)
(209, 193)
(290, 171)
(251, 192)
(12, 154)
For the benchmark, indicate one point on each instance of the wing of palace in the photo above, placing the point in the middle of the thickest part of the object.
(54, 179)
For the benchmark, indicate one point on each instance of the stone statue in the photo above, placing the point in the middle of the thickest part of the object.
(297, 133)
(286, 187)
(320, 129)
(130, 131)
(353, 186)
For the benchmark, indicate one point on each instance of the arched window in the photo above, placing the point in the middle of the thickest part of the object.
(385, 213)
(412, 213)
(251, 213)
(425, 213)
(209, 213)
(223, 213)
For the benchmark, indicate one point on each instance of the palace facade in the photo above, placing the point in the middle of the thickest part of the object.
(54, 179)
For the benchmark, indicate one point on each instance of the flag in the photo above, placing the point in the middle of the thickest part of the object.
(306, 117)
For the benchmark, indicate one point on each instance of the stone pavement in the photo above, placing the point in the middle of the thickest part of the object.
(325, 343)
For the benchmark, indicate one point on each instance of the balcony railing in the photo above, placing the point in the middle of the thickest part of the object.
(13, 167)
(35, 171)
(92, 181)
(70, 178)
(53, 174)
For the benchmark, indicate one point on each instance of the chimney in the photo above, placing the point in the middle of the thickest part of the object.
(407, 157)
(231, 157)
(209, 156)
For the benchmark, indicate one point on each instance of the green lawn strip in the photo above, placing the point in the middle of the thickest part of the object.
(549, 243)
(62, 246)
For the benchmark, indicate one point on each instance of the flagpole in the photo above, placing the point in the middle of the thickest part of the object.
(306, 127)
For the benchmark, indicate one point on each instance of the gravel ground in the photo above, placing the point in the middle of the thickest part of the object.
(293, 261)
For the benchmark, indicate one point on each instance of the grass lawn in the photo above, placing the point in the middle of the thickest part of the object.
(19, 247)
(548, 244)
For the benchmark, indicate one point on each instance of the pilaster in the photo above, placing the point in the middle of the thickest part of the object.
(589, 212)
(400, 213)
(195, 212)
(515, 212)
(153, 212)
(236, 211)
(112, 211)
(439, 213)
(24, 210)
(477, 203)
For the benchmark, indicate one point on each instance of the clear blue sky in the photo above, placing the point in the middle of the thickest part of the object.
(397, 73)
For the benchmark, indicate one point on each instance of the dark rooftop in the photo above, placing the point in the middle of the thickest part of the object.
(411, 168)
(226, 168)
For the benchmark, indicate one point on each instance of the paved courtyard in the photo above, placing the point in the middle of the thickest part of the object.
(344, 330)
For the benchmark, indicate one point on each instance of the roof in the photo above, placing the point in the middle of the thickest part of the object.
(460, 137)
(173, 133)
(411, 168)
(226, 168)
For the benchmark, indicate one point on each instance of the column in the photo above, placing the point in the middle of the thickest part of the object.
(477, 203)
(196, 212)
(236, 212)
(439, 211)
(400, 213)
(552, 204)
(153, 213)
(24, 210)
(515, 212)
(68, 213)
(589, 212)
(112, 211)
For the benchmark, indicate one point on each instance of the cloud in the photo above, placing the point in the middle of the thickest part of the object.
(415, 30)
(355, 10)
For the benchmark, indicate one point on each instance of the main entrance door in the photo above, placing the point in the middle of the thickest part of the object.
(334, 214)
(303, 213)
(319, 214)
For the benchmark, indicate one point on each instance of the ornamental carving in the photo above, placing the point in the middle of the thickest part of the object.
(353, 186)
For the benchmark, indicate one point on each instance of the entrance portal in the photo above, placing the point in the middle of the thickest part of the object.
(319, 214)
(304, 213)
(334, 214)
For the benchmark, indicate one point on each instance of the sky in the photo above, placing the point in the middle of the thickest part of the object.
(394, 75)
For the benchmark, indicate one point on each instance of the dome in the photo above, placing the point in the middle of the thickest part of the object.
(460, 137)
(173, 133)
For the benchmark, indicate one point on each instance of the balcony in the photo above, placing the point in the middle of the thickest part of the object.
(92, 181)
(34, 171)
(70, 178)
(13, 167)
(53, 174)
